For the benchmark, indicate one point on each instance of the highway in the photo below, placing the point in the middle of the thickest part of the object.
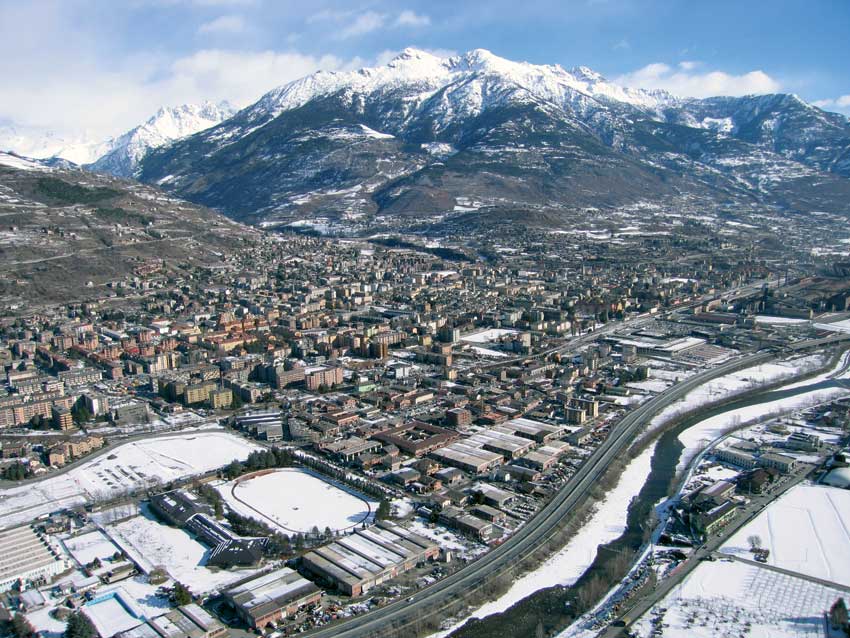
(537, 531)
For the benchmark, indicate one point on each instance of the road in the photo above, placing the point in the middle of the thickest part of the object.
(706, 551)
(537, 531)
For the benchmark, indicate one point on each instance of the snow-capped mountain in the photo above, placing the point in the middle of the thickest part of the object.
(429, 135)
(167, 125)
(118, 156)
(42, 144)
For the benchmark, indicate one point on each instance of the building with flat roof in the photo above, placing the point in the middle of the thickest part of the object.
(530, 429)
(25, 555)
(271, 597)
(188, 621)
(417, 438)
(356, 563)
(467, 457)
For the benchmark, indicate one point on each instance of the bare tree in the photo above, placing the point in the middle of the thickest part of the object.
(755, 542)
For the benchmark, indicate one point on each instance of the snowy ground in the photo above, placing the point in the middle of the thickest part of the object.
(697, 437)
(650, 385)
(838, 326)
(566, 566)
(43, 622)
(488, 336)
(487, 352)
(734, 383)
(87, 547)
(110, 617)
(766, 319)
(296, 500)
(807, 531)
(446, 538)
(127, 467)
(731, 599)
(151, 544)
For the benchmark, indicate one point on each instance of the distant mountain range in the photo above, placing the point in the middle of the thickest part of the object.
(425, 136)
(429, 136)
(118, 156)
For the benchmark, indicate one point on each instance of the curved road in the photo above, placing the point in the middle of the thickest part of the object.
(539, 529)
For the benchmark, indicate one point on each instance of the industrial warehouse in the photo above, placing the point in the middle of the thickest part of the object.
(356, 563)
(272, 597)
(508, 441)
(26, 555)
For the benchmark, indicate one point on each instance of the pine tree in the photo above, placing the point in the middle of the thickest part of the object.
(838, 616)
(181, 594)
(383, 511)
(79, 626)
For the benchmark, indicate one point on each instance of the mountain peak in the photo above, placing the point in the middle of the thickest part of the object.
(412, 53)
(586, 73)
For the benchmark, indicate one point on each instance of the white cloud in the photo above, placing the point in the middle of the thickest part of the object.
(684, 81)
(224, 25)
(840, 104)
(409, 18)
(85, 96)
(352, 24)
(622, 45)
(363, 24)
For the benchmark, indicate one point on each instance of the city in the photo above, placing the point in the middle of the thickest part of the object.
(230, 410)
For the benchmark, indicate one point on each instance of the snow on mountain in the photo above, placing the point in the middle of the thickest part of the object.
(167, 125)
(464, 84)
(41, 144)
(417, 134)
(120, 155)
(12, 160)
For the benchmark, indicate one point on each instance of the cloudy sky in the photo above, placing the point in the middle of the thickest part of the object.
(105, 65)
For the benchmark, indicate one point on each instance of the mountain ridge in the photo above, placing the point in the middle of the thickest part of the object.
(431, 136)
(119, 155)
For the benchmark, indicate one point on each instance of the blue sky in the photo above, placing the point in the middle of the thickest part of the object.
(103, 66)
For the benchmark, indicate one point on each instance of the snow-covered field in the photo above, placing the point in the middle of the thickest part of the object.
(127, 467)
(566, 566)
(151, 544)
(731, 599)
(296, 500)
(87, 547)
(488, 336)
(650, 385)
(488, 352)
(807, 531)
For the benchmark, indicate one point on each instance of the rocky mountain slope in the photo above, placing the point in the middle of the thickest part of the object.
(430, 136)
(68, 234)
(167, 125)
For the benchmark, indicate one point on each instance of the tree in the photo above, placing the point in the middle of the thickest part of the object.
(383, 511)
(233, 470)
(181, 594)
(754, 541)
(80, 414)
(838, 616)
(21, 627)
(79, 626)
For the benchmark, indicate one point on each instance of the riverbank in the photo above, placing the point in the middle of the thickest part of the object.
(551, 608)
